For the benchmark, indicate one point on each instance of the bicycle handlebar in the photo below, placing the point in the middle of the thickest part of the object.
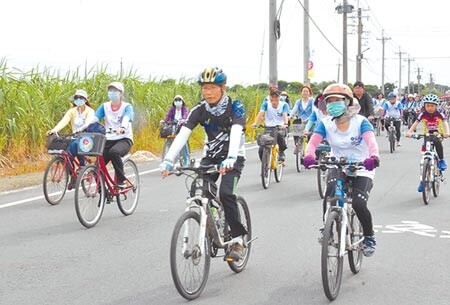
(333, 162)
(418, 136)
(204, 169)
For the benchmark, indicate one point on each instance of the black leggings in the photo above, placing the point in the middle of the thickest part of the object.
(227, 194)
(361, 190)
(114, 151)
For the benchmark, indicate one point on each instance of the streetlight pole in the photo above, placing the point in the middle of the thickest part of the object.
(273, 36)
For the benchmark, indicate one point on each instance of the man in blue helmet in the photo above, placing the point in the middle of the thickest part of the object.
(393, 109)
(224, 122)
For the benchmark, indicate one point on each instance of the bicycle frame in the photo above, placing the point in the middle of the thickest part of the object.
(429, 154)
(110, 182)
(342, 197)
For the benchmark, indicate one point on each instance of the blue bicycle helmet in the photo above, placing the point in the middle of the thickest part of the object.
(431, 98)
(212, 76)
(391, 95)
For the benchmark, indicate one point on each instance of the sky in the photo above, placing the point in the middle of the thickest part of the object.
(177, 39)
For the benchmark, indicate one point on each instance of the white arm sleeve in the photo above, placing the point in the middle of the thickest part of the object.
(178, 143)
(235, 140)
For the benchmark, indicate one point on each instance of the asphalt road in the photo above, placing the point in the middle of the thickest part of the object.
(47, 257)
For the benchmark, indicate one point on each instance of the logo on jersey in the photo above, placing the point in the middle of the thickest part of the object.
(356, 141)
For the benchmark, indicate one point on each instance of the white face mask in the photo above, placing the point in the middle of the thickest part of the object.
(79, 102)
(114, 96)
(178, 103)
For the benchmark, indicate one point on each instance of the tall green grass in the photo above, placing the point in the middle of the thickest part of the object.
(32, 102)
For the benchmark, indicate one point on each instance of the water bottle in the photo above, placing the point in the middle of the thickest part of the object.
(215, 214)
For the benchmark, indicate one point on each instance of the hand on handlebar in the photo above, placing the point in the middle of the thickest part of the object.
(371, 163)
(166, 167)
(227, 165)
(308, 161)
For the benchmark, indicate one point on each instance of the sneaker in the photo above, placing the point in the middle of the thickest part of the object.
(121, 185)
(420, 187)
(281, 156)
(399, 144)
(369, 245)
(71, 183)
(442, 165)
(237, 251)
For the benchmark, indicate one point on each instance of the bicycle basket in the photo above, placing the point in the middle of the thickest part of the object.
(56, 145)
(297, 129)
(265, 139)
(167, 130)
(91, 144)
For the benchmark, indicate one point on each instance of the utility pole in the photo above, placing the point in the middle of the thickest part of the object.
(400, 71)
(339, 71)
(359, 55)
(306, 51)
(431, 82)
(409, 60)
(274, 34)
(383, 41)
(344, 9)
(418, 80)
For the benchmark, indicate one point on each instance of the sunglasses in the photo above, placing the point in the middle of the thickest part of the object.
(78, 97)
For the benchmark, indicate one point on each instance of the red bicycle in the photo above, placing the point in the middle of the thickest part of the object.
(95, 186)
(60, 168)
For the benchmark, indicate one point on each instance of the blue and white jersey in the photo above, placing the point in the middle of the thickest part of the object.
(302, 110)
(348, 143)
(113, 119)
(274, 116)
(393, 110)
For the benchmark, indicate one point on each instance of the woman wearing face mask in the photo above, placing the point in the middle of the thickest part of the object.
(117, 115)
(178, 113)
(77, 117)
(350, 135)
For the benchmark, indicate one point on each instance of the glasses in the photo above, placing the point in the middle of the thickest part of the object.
(76, 97)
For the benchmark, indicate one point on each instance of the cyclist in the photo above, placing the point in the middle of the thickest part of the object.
(76, 116)
(285, 98)
(378, 104)
(410, 108)
(318, 113)
(118, 116)
(433, 122)
(178, 113)
(349, 134)
(393, 109)
(274, 113)
(303, 107)
(224, 121)
(364, 100)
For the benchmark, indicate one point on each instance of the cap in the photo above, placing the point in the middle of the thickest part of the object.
(178, 97)
(118, 86)
(284, 93)
(80, 92)
(275, 92)
(410, 95)
(358, 84)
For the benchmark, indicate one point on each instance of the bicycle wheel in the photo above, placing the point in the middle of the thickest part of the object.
(89, 196)
(391, 141)
(128, 199)
(355, 254)
(426, 181)
(436, 184)
(278, 171)
(189, 267)
(166, 147)
(56, 178)
(322, 177)
(244, 217)
(298, 155)
(265, 167)
(331, 261)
